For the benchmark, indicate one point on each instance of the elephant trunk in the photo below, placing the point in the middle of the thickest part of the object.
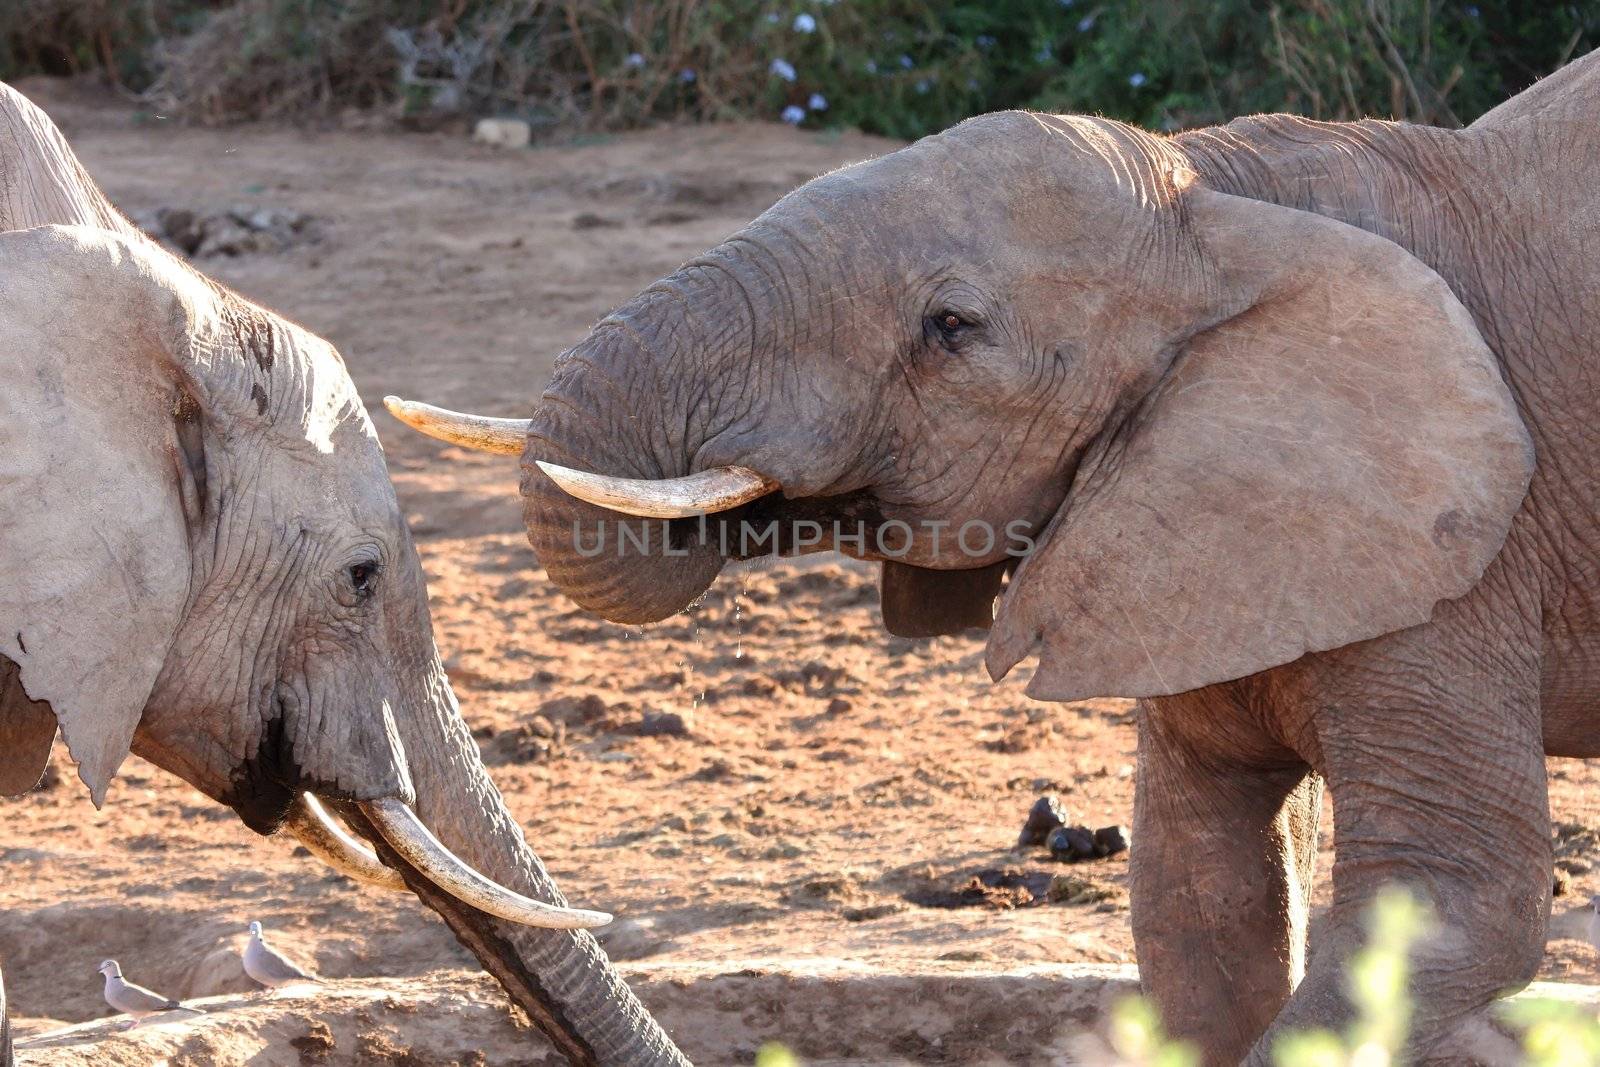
(560, 977)
(627, 570)
(638, 399)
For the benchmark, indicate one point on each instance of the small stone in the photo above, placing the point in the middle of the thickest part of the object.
(181, 227)
(662, 724)
(503, 133)
(1069, 844)
(588, 220)
(1048, 813)
(1110, 840)
(838, 706)
(630, 939)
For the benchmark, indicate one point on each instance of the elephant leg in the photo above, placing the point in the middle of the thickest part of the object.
(1436, 765)
(1225, 839)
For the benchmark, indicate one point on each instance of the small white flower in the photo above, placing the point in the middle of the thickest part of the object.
(818, 102)
(782, 68)
(872, 66)
(804, 23)
(635, 61)
(907, 62)
(794, 114)
(1136, 79)
(1086, 24)
(924, 85)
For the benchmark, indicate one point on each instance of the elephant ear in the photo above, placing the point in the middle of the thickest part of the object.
(1332, 459)
(94, 553)
(918, 602)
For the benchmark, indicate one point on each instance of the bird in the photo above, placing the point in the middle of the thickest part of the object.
(135, 1000)
(269, 967)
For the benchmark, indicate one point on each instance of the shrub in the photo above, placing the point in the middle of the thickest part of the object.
(897, 67)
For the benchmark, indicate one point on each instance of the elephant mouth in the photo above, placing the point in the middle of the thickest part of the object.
(264, 787)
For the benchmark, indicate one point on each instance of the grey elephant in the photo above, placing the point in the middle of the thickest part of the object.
(202, 561)
(1299, 420)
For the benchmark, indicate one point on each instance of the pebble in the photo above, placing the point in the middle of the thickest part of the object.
(1110, 840)
(503, 133)
(1048, 813)
(662, 724)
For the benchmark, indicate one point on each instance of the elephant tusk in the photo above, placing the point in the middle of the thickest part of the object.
(503, 436)
(704, 493)
(310, 822)
(416, 844)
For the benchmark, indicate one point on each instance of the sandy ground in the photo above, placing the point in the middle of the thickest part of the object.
(837, 790)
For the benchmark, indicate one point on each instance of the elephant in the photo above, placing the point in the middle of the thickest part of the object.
(1298, 422)
(202, 561)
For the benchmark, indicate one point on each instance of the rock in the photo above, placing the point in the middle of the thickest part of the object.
(1048, 813)
(1069, 844)
(588, 709)
(503, 133)
(182, 227)
(661, 724)
(630, 939)
(588, 220)
(1110, 840)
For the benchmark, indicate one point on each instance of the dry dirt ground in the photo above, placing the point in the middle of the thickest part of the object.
(838, 794)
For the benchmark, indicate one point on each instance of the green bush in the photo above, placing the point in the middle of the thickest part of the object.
(897, 67)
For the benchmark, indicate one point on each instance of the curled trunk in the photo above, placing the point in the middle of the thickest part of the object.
(627, 570)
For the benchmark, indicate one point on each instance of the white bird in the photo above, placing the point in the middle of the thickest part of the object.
(268, 966)
(136, 1000)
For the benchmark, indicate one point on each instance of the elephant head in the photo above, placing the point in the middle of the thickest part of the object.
(1205, 434)
(202, 560)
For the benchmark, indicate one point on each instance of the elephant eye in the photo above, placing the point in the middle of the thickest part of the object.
(364, 577)
(949, 325)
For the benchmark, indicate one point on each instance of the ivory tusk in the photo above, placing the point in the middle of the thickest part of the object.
(503, 436)
(416, 844)
(310, 822)
(704, 493)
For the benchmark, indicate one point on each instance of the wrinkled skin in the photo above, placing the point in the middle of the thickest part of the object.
(1302, 416)
(202, 558)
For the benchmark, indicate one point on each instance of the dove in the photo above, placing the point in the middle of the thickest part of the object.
(268, 966)
(135, 1000)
